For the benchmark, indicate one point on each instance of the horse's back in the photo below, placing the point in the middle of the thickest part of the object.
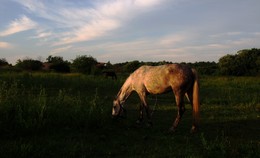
(179, 70)
(159, 79)
(180, 76)
(167, 71)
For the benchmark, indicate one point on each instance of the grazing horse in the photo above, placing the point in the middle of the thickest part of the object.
(178, 78)
(111, 74)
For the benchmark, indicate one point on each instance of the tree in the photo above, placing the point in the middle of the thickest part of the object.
(132, 66)
(58, 64)
(3, 62)
(29, 64)
(109, 66)
(245, 62)
(205, 68)
(84, 64)
(55, 59)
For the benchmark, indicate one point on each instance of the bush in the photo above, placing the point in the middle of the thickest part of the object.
(245, 62)
(3, 62)
(58, 64)
(29, 64)
(84, 64)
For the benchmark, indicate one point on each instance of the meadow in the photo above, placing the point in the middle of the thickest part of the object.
(69, 115)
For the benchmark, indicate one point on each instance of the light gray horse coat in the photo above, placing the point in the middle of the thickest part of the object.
(178, 78)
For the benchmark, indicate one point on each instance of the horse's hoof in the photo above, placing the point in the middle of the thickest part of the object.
(172, 130)
(138, 122)
(194, 129)
(149, 124)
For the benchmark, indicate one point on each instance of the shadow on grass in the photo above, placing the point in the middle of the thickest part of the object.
(122, 138)
(238, 130)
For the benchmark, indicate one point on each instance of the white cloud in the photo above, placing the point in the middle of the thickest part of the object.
(43, 35)
(14, 58)
(60, 50)
(5, 45)
(85, 23)
(88, 32)
(102, 19)
(32, 5)
(146, 3)
(226, 34)
(112, 9)
(18, 25)
(180, 47)
(174, 39)
(175, 30)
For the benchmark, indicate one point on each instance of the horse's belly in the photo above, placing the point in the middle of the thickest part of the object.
(157, 88)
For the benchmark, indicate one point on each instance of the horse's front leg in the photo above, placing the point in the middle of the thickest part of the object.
(147, 109)
(148, 113)
(181, 110)
(141, 114)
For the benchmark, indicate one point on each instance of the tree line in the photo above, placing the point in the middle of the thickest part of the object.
(244, 63)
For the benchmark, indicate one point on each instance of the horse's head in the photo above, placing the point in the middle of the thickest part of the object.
(118, 110)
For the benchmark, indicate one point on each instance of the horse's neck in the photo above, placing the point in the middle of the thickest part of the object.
(125, 91)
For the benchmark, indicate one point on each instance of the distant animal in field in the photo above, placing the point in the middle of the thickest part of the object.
(111, 74)
(180, 79)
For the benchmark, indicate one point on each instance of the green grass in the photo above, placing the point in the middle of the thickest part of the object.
(53, 115)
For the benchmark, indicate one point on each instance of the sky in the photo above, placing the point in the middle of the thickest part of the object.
(126, 30)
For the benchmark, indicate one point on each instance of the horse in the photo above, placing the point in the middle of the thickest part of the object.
(111, 74)
(180, 79)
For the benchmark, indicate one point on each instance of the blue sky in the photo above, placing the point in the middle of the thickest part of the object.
(126, 30)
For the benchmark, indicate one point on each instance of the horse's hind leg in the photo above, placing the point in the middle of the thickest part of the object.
(181, 110)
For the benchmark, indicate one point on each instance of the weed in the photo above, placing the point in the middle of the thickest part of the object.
(216, 148)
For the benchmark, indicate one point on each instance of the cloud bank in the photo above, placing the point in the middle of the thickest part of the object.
(18, 25)
(5, 45)
(81, 24)
(120, 30)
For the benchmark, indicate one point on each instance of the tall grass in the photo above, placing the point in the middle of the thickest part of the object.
(36, 101)
(230, 90)
(50, 115)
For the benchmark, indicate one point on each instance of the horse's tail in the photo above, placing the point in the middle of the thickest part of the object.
(195, 98)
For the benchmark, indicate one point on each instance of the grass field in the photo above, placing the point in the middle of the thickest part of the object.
(54, 115)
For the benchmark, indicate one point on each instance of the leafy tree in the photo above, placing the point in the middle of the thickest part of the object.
(131, 66)
(109, 66)
(248, 61)
(205, 68)
(58, 64)
(29, 64)
(55, 59)
(85, 64)
(245, 62)
(3, 62)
